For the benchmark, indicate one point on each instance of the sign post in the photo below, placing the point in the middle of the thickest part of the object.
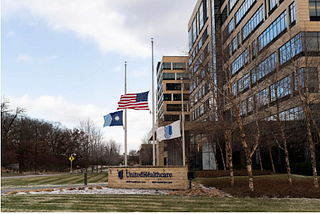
(71, 158)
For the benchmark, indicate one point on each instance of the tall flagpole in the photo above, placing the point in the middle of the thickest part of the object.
(153, 140)
(125, 115)
(183, 139)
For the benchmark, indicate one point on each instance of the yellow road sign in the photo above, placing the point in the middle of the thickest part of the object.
(71, 158)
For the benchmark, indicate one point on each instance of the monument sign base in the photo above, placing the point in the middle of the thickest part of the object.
(148, 177)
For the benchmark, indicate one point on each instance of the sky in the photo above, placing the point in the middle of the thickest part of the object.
(63, 61)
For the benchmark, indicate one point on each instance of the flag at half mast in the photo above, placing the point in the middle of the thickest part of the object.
(138, 101)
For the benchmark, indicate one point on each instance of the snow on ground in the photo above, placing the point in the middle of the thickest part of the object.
(94, 190)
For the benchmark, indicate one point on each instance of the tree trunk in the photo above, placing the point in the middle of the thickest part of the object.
(222, 155)
(271, 159)
(287, 163)
(227, 136)
(260, 159)
(215, 156)
(312, 151)
(249, 167)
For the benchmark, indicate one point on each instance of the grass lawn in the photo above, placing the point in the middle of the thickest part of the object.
(271, 195)
(143, 203)
(56, 180)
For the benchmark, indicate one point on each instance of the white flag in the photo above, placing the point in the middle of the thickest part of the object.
(169, 132)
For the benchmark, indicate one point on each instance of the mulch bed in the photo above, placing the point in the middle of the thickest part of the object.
(263, 187)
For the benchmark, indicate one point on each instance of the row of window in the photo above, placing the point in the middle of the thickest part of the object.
(266, 37)
(292, 114)
(274, 29)
(252, 24)
(242, 12)
(201, 41)
(304, 41)
(198, 112)
(175, 97)
(202, 92)
(196, 80)
(198, 22)
(305, 77)
(173, 76)
(174, 66)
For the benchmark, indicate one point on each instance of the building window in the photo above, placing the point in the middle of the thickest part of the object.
(234, 89)
(243, 10)
(167, 97)
(266, 67)
(168, 76)
(234, 44)
(292, 13)
(314, 10)
(246, 81)
(311, 41)
(246, 56)
(253, 76)
(232, 3)
(306, 77)
(190, 42)
(239, 40)
(231, 26)
(290, 49)
(238, 63)
(254, 49)
(262, 98)
(250, 104)
(182, 75)
(280, 89)
(194, 30)
(166, 66)
(272, 5)
(201, 109)
(243, 107)
(179, 66)
(224, 15)
(253, 23)
(173, 86)
(276, 27)
(201, 16)
(174, 107)
(240, 85)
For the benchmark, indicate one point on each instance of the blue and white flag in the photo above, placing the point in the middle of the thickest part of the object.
(113, 119)
(169, 132)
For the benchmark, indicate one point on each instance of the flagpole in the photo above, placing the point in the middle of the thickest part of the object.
(125, 115)
(153, 135)
(182, 119)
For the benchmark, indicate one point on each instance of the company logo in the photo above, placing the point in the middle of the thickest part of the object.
(120, 174)
(167, 132)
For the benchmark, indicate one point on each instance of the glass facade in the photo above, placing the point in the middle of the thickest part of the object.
(243, 10)
(252, 24)
(279, 25)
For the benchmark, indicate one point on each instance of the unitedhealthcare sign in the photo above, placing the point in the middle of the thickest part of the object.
(144, 175)
(175, 177)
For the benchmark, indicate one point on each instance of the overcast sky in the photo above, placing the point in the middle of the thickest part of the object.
(63, 60)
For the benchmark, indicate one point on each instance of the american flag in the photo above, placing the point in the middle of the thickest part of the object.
(138, 101)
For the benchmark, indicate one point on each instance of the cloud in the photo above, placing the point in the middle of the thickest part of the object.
(10, 34)
(28, 59)
(58, 109)
(122, 26)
